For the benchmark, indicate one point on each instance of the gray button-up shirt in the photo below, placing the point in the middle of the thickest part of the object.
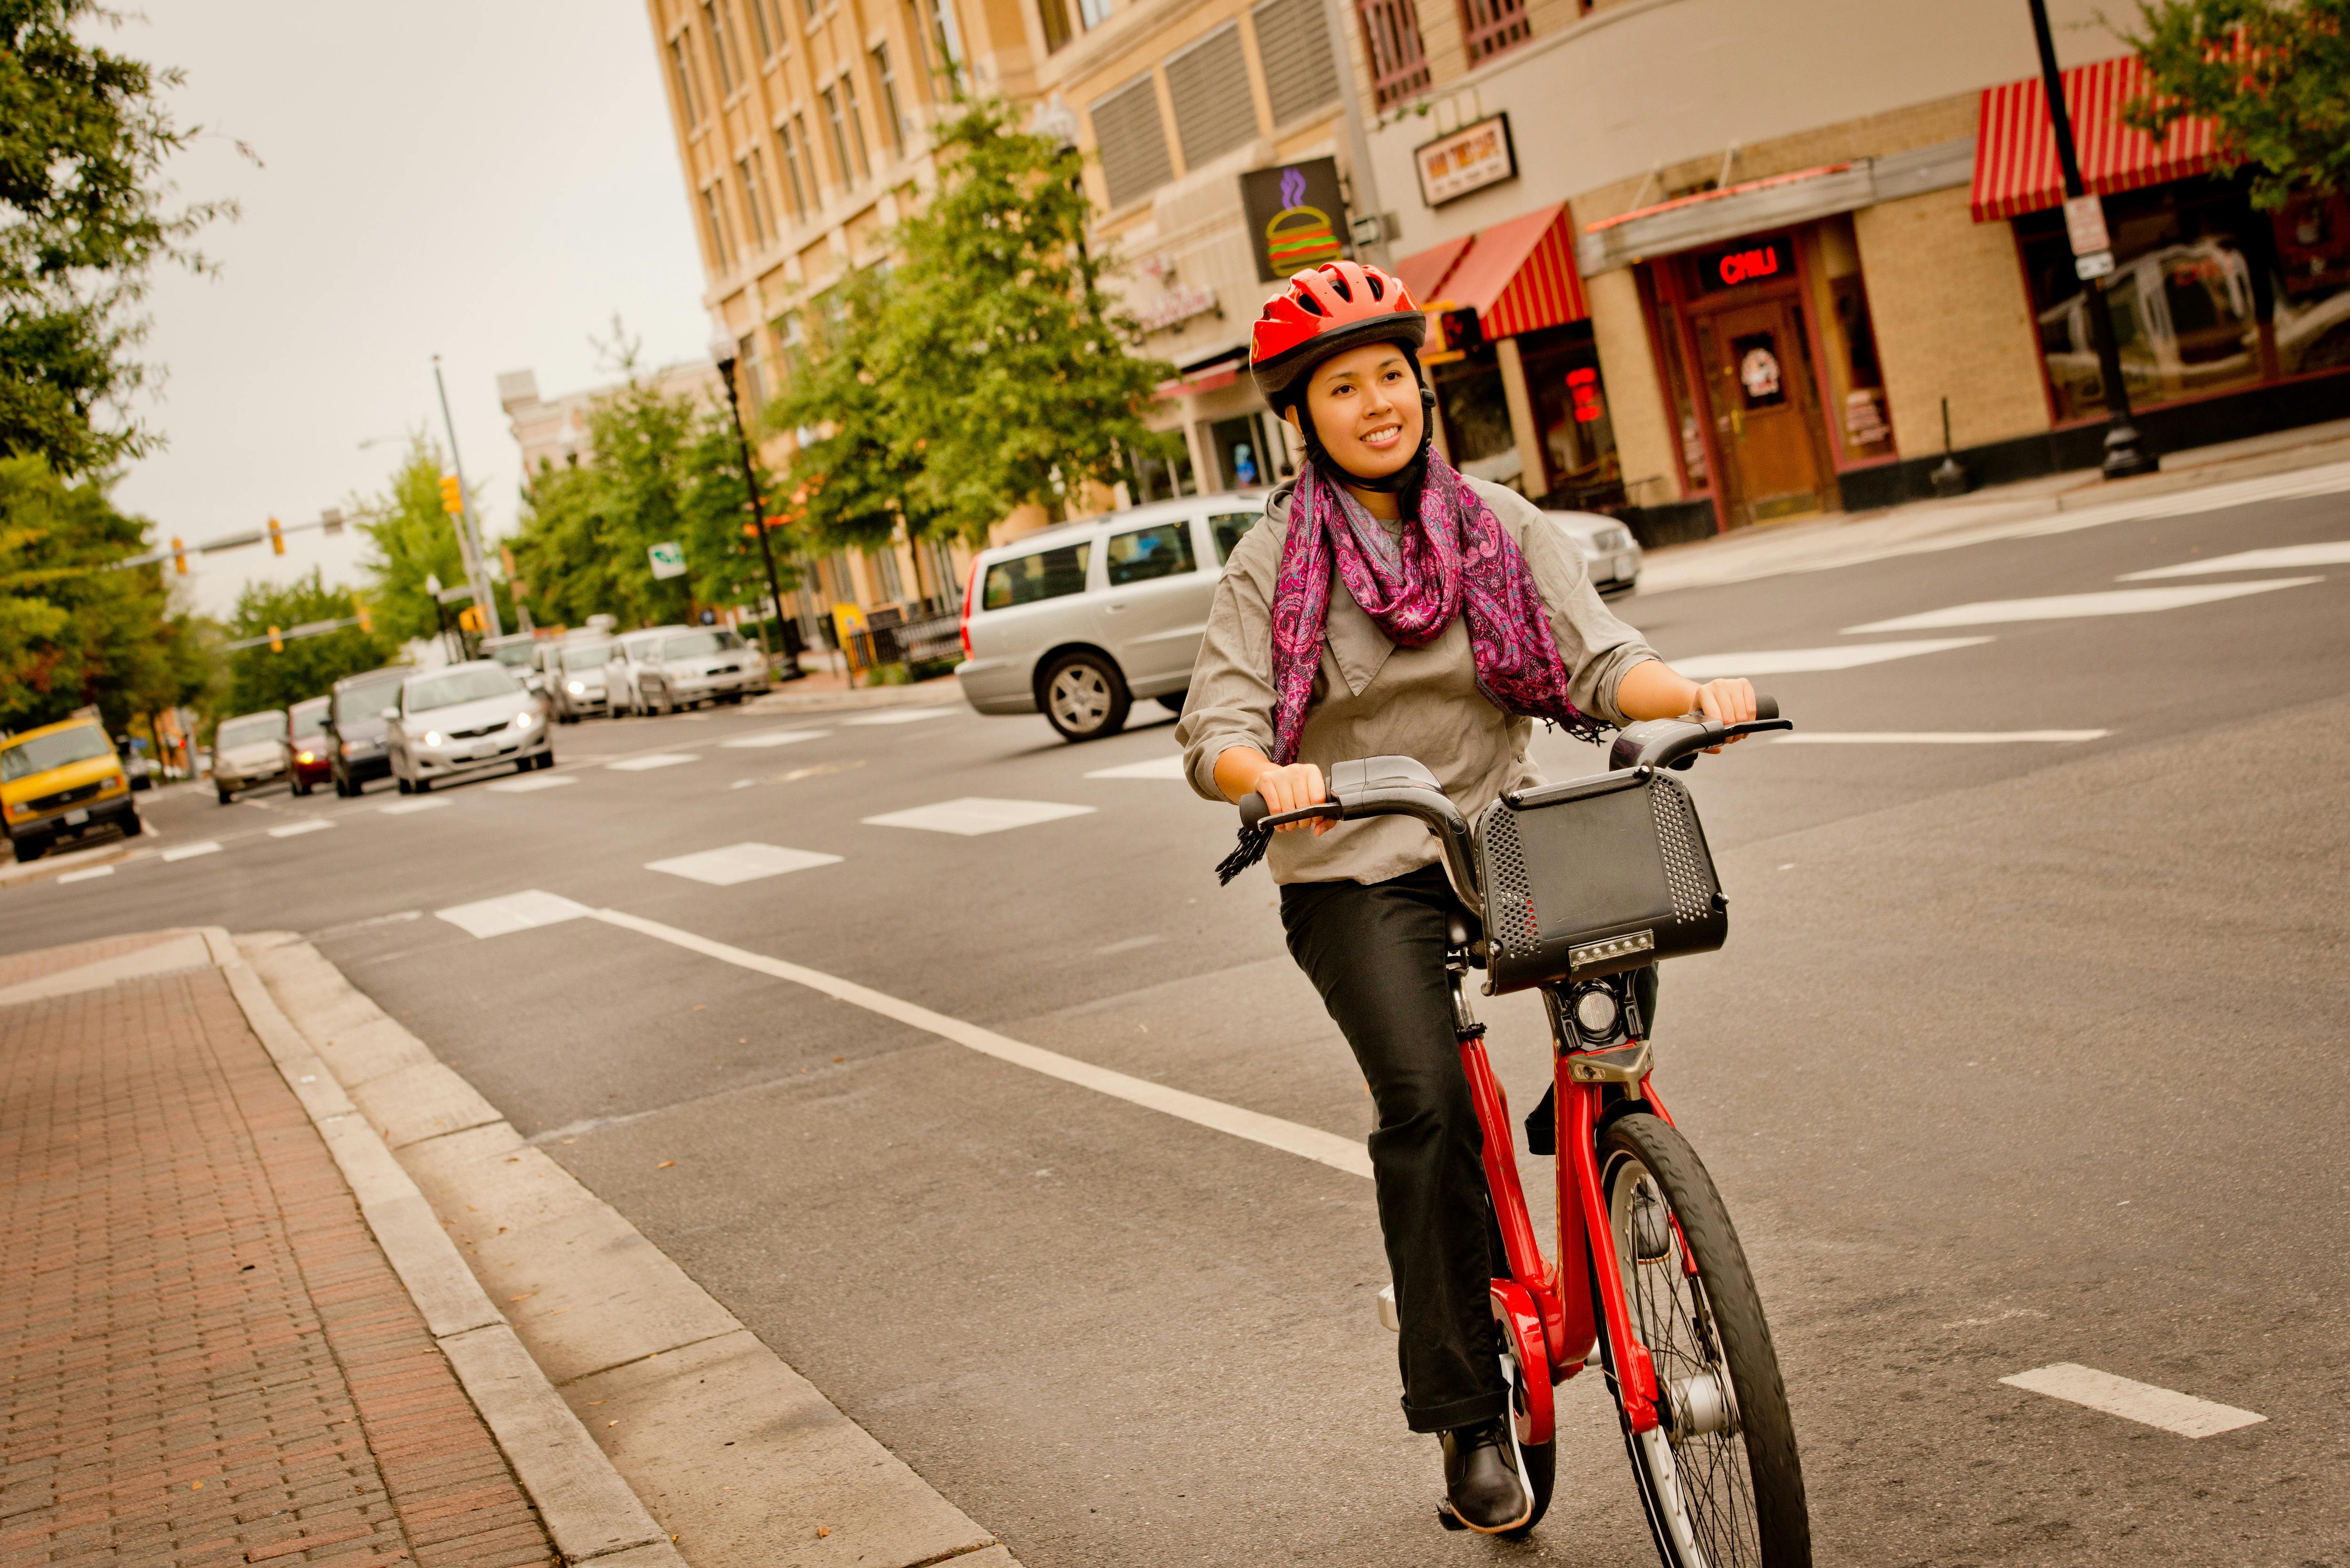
(1373, 699)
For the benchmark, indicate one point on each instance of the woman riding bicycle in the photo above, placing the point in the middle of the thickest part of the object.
(1389, 606)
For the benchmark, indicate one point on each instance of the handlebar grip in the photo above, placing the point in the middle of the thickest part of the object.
(1766, 707)
(1253, 809)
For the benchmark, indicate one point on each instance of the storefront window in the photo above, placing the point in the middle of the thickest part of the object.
(1578, 435)
(1477, 418)
(1856, 389)
(1164, 478)
(1248, 452)
(1696, 472)
(2206, 296)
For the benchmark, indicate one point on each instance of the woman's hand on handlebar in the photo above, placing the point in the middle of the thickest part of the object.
(1244, 770)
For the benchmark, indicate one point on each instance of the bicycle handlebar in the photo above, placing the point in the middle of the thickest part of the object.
(1401, 786)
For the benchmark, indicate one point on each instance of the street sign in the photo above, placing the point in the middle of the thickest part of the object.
(2096, 264)
(2084, 225)
(668, 560)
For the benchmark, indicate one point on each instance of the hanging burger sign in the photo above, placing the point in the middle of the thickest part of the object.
(1296, 216)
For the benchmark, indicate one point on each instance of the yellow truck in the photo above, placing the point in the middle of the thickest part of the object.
(61, 782)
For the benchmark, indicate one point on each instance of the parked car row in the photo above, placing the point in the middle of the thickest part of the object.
(1080, 621)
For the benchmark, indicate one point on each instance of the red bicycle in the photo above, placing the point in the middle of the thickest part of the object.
(1574, 888)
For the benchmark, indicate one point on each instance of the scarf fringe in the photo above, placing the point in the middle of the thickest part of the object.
(1245, 854)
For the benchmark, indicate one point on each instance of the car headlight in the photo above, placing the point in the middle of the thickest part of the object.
(18, 808)
(306, 756)
(577, 688)
(524, 720)
(431, 737)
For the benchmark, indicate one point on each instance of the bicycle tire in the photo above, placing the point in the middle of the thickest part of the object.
(1721, 1525)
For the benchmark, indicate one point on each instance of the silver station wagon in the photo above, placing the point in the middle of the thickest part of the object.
(1079, 620)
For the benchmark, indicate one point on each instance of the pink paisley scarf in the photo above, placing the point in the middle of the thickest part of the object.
(1454, 557)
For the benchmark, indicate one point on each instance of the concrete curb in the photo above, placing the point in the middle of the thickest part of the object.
(587, 1510)
(743, 1463)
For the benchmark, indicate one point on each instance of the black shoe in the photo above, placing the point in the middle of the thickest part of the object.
(1480, 1478)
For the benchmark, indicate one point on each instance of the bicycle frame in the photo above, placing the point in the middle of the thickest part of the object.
(1551, 1326)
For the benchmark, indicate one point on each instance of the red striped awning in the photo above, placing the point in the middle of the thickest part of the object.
(1518, 276)
(1424, 271)
(2016, 170)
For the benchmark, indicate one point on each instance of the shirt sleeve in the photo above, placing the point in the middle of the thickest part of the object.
(1230, 700)
(1596, 646)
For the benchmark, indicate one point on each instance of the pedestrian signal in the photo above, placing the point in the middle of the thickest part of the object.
(452, 495)
(277, 538)
(276, 642)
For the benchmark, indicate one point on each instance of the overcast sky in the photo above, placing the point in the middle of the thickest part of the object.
(486, 181)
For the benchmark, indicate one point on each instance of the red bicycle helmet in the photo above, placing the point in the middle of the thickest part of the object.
(1328, 310)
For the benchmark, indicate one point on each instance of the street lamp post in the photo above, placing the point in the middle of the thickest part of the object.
(478, 570)
(2126, 451)
(721, 350)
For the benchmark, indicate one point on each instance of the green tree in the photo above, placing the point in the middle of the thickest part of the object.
(986, 370)
(2273, 77)
(308, 666)
(413, 538)
(76, 627)
(84, 135)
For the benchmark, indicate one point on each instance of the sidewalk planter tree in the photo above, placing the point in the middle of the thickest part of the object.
(412, 540)
(2273, 77)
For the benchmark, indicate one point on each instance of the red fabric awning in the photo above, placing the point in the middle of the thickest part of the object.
(2016, 170)
(1424, 271)
(1199, 381)
(1518, 276)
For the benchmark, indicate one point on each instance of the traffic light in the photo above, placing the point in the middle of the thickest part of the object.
(470, 617)
(452, 495)
(179, 557)
(276, 642)
(366, 621)
(276, 539)
(1460, 331)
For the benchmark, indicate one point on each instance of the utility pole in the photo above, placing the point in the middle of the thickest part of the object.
(2126, 451)
(469, 540)
(1359, 141)
(721, 350)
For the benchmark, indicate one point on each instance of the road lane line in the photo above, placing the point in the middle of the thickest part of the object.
(656, 760)
(741, 863)
(1935, 737)
(1807, 660)
(407, 807)
(533, 784)
(2283, 557)
(766, 738)
(84, 876)
(189, 851)
(2166, 1408)
(1290, 1138)
(2074, 607)
(972, 815)
(307, 825)
(1156, 768)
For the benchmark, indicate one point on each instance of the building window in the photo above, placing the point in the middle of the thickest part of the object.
(679, 67)
(856, 118)
(894, 114)
(713, 217)
(768, 25)
(1208, 85)
(1489, 27)
(883, 566)
(1054, 15)
(1132, 141)
(799, 185)
(950, 39)
(721, 48)
(1092, 14)
(754, 201)
(755, 380)
(1391, 39)
(791, 344)
(840, 128)
(1294, 41)
(1581, 470)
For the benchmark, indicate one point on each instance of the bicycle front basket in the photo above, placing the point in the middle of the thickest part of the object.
(1594, 876)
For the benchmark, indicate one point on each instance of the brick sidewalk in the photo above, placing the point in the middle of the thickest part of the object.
(209, 1360)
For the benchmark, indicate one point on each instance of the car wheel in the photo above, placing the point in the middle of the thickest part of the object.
(28, 848)
(132, 826)
(421, 787)
(1173, 701)
(227, 796)
(1084, 697)
(546, 758)
(300, 786)
(399, 783)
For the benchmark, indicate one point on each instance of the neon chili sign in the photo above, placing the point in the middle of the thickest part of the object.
(1744, 263)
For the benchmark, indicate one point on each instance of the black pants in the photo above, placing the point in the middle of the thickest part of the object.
(1376, 953)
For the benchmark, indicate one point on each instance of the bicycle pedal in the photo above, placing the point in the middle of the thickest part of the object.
(1447, 1518)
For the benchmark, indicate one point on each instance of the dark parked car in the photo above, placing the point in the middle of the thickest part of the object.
(309, 752)
(355, 725)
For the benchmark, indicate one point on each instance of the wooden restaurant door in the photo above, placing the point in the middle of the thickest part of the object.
(1756, 367)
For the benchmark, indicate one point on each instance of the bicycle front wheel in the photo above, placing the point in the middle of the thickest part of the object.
(1719, 1474)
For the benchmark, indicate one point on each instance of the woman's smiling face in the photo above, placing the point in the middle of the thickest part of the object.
(1366, 407)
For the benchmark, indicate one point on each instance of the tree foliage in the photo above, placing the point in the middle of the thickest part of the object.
(413, 538)
(309, 666)
(76, 629)
(84, 136)
(2273, 77)
(986, 370)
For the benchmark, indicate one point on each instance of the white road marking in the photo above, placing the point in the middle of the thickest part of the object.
(1935, 737)
(2283, 557)
(534, 782)
(741, 863)
(307, 825)
(2172, 1411)
(1290, 1138)
(190, 851)
(1127, 945)
(656, 760)
(408, 808)
(516, 912)
(1156, 768)
(1805, 660)
(902, 716)
(771, 738)
(87, 875)
(2070, 607)
(974, 815)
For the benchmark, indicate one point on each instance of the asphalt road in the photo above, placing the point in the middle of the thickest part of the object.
(2021, 1053)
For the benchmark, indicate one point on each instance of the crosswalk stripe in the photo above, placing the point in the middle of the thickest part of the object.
(533, 784)
(1806, 660)
(1156, 768)
(1936, 737)
(2283, 557)
(2072, 606)
(410, 807)
(86, 874)
(974, 815)
(2143, 1402)
(771, 738)
(656, 760)
(741, 863)
(190, 851)
(513, 912)
(295, 829)
(902, 716)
